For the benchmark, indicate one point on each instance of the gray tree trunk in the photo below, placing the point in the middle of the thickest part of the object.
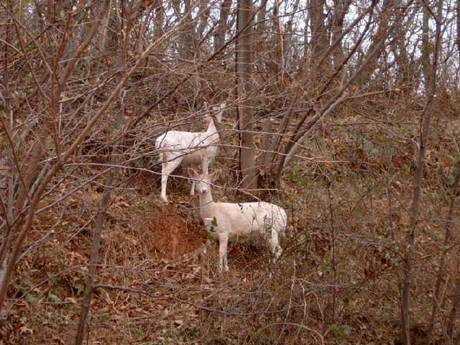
(245, 117)
(430, 88)
(219, 36)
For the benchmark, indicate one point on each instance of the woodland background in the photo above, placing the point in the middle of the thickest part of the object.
(344, 112)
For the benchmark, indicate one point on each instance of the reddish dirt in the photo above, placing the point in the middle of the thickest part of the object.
(171, 236)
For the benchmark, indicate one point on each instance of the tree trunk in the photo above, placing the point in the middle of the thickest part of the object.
(382, 32)
(245, 118)
(116, 48)
(159, 19)
(203, 11)
(458, 27)
(449, 238)
(407, 263)
(261, 30)
(187, 39)
(340, 10)
(277, 44)
(426, 48)
(319, 42)
(219, 36)
(453, 314)
(95, 248)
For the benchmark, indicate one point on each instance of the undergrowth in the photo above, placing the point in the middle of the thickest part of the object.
(337, 281)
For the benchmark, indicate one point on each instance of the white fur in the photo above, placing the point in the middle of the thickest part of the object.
(189, 149)
(225, 220)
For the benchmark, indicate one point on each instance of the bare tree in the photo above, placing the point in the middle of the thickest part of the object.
(245, 117)
(28, 201)
(319, 41)
(387, 17)
(442, 270)
(114, 46)
(431, 85)
(458, 26)
(341, 8)
(219, 35)
(188, 43)
(277, 43)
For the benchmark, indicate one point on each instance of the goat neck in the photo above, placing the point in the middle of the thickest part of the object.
(205, 202)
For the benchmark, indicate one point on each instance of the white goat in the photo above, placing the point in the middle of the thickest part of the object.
(225, 220)
(188, 149)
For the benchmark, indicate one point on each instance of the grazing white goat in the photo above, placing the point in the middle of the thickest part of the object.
(188, 149)
(224, 220)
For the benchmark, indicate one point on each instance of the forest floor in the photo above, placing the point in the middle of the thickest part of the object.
(336, 283)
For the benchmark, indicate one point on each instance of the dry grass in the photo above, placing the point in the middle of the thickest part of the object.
(157, 289)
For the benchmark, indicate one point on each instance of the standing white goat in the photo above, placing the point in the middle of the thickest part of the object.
(188, 149)
(224, 220)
